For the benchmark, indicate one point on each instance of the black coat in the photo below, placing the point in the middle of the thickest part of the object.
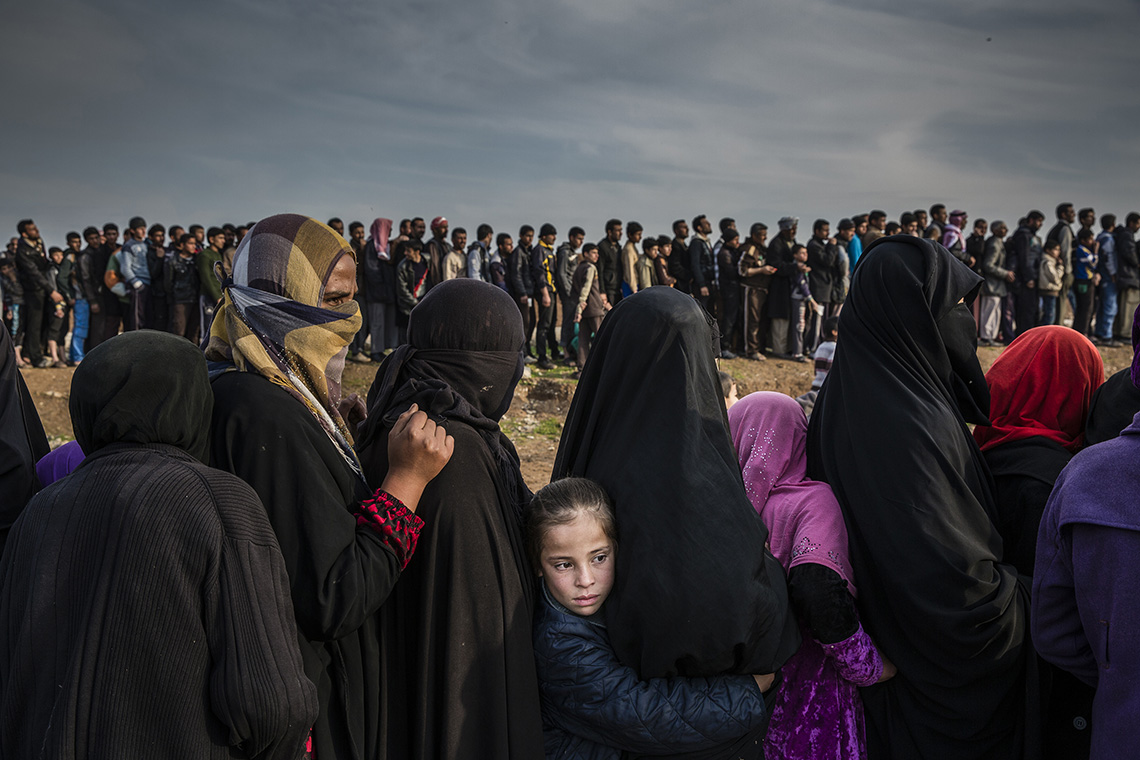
(379, 274)
(779, 303)
(22, 439)
(822, 258)
(1112, 408)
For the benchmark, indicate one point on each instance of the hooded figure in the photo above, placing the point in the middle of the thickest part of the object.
(458, 663)
(278, 350)
(889, 434)
(1040, 387)
(818, 713)
(1118, 399)
(144, 603)
(22, 439)
(696, 593)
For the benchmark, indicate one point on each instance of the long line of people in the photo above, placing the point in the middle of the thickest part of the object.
(380, 582)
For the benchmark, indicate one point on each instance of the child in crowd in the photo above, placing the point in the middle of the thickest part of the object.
(58, 323)
(593, 706)
(1049, 279)
(592, 304)
(824, 355)
(727, 388)
(183, 288)
(13, 303)
(818, 712)
(801, 302)
(661, 274)
(1085, 280)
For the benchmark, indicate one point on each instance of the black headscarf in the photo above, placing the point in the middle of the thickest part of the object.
(889, 434)
(22, 439)
(462, 361)
(143, 387)
(695, 593)
(458, 664)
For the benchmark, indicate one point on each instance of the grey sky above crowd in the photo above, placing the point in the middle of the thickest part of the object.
(570, 111)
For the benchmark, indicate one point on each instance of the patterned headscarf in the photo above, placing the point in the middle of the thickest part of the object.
(271, 322)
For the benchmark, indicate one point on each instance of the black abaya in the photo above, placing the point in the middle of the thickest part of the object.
(458, 674)
(889, 434)
(22, 439)
(1112, 408)
(695, 591)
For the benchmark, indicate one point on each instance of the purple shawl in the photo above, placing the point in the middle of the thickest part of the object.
(769, 431)
(59, 463)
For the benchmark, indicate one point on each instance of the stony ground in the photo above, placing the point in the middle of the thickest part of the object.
(534, 421)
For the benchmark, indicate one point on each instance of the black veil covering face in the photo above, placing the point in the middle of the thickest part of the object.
(889, 434)
(22, 439)
(696, 593)
(458, 676)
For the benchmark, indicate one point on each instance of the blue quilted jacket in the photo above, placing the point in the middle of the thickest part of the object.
(593, 707)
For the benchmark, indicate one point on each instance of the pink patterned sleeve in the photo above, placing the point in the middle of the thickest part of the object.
(856, 658)
(396, 525)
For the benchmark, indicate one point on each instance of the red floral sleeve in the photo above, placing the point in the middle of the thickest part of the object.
(396, 525)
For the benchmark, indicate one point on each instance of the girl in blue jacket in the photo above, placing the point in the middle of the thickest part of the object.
(593, 706)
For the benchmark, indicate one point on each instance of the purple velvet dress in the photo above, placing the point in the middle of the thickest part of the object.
(818, 713)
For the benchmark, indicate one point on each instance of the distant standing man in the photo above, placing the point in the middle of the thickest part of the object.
(136, 274)
(756, 277)
(609, 261)
(1025, 261)
(701, 260)
(1127, 276)
(1062, 233)
(436, 251)
(34, 270)
(565, 264)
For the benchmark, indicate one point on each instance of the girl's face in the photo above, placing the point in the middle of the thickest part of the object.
(578, 564)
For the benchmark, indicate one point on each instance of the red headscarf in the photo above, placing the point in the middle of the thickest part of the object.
(1041, 386)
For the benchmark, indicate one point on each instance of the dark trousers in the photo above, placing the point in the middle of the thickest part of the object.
(1026, 309)
(383, 328)
(587, 329)
(95, 325)
(1082, 315)
(138, 312)
(800, 311)
(566, 336)
(528, 318)
(184, 321)
(754, 319)
(32, 320)
(815, 325)
(1008, 308)
(159, 312)
(545, 331)
(112, 314)
(357, 345)
(729, 317)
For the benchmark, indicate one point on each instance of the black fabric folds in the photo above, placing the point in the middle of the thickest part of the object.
(458, 677)
(1113, 406)
(22, 439)
(696, 593)
(889, 435)
(115, 397)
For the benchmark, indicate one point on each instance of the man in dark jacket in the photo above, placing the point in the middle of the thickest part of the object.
(823, 258)
(701, 265)
(520, 277)
(679, 257)
(1062, 233)
(436, 251)
(1108, 267)
(182, 288)
(33, 268)
(1127, 275)
(1025, 260)
(542, 262)
(565, 264)
(89, 282)
(609, 261)
(780, 287)
(995, 289)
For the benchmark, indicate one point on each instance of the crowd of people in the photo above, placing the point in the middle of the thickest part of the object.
(234, 559)
(769, 299)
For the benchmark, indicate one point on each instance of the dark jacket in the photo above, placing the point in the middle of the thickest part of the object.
(33, 267)
(822, 258)
(519, 276)
(155, 264)
(411, 283)
(700, 264)
(564, 266)
(180, 279)
(542, 266)
(679, 265)
(609, 268)
(1127, 266)
(595, 707)
(976, 250)
(1024, 255)
(379, 275)
(88, 273)
(779, 302)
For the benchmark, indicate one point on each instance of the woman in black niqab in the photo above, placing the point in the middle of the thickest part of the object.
(889, 434)
(22, 439)
(695, 591)
(458, 677)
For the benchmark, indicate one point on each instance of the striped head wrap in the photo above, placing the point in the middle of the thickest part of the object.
(271, 322)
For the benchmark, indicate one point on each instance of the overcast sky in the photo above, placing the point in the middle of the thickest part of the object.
(570, 111)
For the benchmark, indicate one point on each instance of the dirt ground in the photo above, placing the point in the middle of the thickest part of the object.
(534, 421)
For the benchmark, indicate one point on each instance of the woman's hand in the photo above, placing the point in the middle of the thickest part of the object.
(352, 410)
(418, 449)
(764, 681)
(889, 669)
